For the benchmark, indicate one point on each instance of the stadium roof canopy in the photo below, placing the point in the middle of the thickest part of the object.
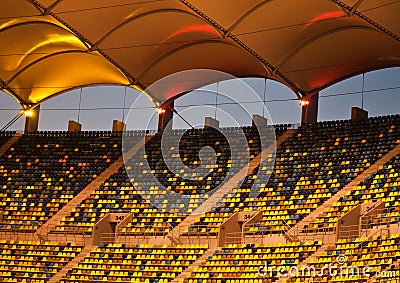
(48, 47)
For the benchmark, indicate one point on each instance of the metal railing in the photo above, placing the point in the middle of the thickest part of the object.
(35, 237)
(130, 240)
(310, 233)
(348, 231)
(150, 232)
(173, 235)
(73, 233)
(197, 234)
(245, 237)
(21, 232)
(380, 217)
(106, 238)
(43, 234)
(77, 238)
(70, 230)
(17, 236)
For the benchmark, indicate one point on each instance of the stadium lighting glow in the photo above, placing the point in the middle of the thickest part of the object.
(304, 102)
(27, 113)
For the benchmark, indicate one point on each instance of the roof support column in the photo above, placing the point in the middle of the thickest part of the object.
(309, 109)
(32, 120)
(165, 116)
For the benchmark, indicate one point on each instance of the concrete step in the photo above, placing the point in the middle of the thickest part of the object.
(306, 261)
(181, 277)
(9, 143)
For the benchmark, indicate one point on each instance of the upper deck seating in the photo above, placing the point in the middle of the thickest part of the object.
(42, 171)
(118, 193)
(310, 167)
(382, 186)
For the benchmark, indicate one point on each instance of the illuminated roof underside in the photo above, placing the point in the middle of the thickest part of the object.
(48, 46)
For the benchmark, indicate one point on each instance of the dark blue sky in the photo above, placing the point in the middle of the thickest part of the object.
(381, 97)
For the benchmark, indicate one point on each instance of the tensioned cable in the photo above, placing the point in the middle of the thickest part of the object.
(87, 9)
(123, 109)
(152, 1)
(355, 92)
(370, 90)
(79, 105)
(109, 6)
(264, 95)
(208, 104)
(179, 115)
(115, 48)
(12, 121)
(380, 6)
(362, 91)
(216, 102)
(300, 24)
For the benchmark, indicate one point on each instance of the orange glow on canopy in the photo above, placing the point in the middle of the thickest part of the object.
(189, 29)
(52, 39)
(324, 16)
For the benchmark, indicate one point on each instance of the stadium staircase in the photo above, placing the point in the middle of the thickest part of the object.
(60, 274)
(225, 189)
(44, 232)
(195, 264)
(306, 262)
(348, 188)
(9, 143)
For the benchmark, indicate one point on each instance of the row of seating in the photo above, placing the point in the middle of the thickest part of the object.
(22, 261)
(128, 189)
(310, 167)
(35, 262)
(42, 172)
(354, 260)
(251, 263)
(383, 186)
(134, 263)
